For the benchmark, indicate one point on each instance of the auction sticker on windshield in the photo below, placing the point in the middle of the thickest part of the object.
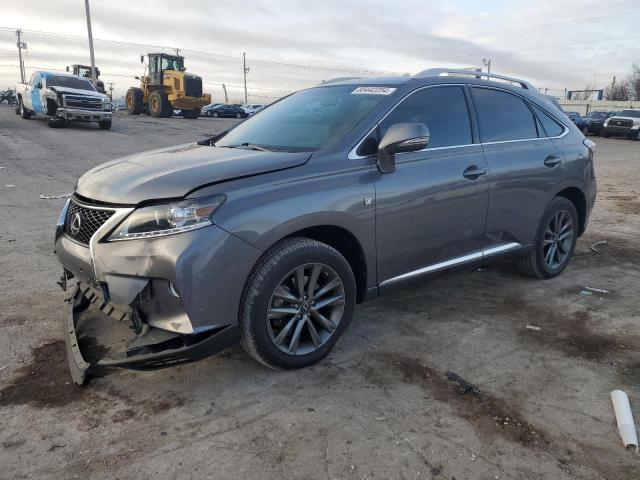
(373, 91)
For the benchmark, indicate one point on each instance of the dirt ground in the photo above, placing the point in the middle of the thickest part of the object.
(380, 407)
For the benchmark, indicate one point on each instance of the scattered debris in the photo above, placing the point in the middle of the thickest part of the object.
(593, 247)
(598, 290)
(585, 293)
(381, 419)
(53, 197)
(3, 367)
(533, 327)
(10, 186)
(464, 387)
(624, 418)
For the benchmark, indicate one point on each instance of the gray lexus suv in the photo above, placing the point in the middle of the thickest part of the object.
(271, 232)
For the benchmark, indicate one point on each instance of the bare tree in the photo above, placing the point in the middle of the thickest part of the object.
(634, 82)
(617, 90)
(584, 94)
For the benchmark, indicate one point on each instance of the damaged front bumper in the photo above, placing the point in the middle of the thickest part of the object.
(152, 349)
(180, 293)
(80, 115)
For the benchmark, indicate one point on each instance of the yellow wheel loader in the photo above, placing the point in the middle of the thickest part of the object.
(167, 87)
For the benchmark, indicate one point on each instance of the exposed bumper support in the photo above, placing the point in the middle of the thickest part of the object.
(75, 114)
(154, 349)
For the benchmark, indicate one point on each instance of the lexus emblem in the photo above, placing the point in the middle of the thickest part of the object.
(76, 223)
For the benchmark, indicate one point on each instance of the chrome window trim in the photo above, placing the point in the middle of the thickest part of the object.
(354, 156)
(452, 262)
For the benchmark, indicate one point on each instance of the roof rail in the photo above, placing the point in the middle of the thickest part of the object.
(437, 72)
(339, 79)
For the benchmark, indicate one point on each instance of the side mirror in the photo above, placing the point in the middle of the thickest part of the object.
(39, 85)
(137, 77)
(141, 58)
(401, 138)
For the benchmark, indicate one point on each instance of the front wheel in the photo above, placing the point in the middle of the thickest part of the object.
(298, 301)
(604, 134)
(585, 131)
(554, 243)
(105, 125)
(24, 112)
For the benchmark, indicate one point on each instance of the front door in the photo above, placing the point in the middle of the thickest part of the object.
(431, 212)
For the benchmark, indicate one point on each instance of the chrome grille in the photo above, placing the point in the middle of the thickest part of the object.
(621, 123)
(89, 218)
(83, 102)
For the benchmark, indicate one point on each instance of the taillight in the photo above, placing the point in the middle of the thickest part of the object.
(592, 146)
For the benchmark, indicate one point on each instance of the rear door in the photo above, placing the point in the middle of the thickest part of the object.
(430, 212)
(525, 166)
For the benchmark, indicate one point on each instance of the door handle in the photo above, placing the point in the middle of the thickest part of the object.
(552, 161)
(473, 172)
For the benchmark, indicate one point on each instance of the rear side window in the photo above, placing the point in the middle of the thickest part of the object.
(550, 126)
(503, 116)
(442, 109)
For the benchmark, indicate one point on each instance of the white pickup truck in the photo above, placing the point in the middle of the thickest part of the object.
(63, 98)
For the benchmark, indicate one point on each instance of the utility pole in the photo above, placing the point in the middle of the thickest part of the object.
(111, 90)
(226, 97)
(93, 60)
(20, 45)
(177, 51)
(487, 63)
(245, 70)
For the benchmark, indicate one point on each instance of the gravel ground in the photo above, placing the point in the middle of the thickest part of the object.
(379, 407)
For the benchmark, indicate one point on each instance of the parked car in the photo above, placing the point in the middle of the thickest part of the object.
(625, 122)
(595, 121)
(64, 98)
(207, 109)
(577, 119)
(273, 231)
(228, 111)
(252, 108)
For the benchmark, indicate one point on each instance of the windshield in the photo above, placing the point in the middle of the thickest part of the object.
(69, 82)
(308, 120)
(597, 115)
(172, 63)
(629, 113)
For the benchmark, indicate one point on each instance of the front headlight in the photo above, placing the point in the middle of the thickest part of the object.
(606, 122)
(168, 219)
(106, 104)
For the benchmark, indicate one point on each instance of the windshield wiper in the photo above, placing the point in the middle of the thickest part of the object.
(252, 146)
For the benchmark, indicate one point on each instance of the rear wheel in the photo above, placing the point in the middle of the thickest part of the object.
(158, 104)
(298, 301)
(585, 130)
(134, 99)
(215, 114)
(604, 134)
(24, 112)
(555, 241)
(57, 122)
(238, 115)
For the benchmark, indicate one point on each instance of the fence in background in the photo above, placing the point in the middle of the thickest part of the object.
(585, 106)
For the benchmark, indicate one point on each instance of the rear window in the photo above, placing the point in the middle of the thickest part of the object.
(503, 116)
(551, 127)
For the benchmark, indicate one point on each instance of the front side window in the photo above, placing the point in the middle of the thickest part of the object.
(629, 113)
(442, 109)
(503, 116)
(307, 120)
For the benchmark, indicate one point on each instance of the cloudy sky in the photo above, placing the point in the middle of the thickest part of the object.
(292, 44)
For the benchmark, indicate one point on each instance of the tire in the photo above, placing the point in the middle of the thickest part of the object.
(105, 125)
(535, 263)
(637, 137)
(135, 101)
(215, 114)
(158, 104)
(585, 131)
(57, 123)
(260, 332)
(604, 134)
(238, 115)
(18, 110)
(191, 114)
(24, 112)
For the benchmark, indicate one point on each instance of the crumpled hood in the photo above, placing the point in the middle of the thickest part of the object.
(175, 171)
(77, 91)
